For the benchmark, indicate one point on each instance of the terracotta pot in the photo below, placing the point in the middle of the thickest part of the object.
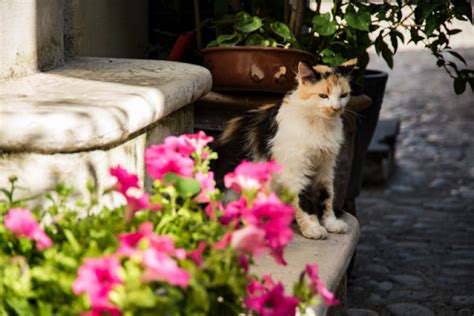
(253, 68)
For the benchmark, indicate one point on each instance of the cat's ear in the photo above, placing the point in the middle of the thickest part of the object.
(306, 73)
(346, 68)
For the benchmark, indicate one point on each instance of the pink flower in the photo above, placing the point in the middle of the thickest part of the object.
(249, 240)
(161, 159)
(125, 180)
(211, 208)
(273, 302)
(21, 222)
(208, 186)
(160, 267)
(318, 286)
(196, 255)
(179, 145)
(97, 277)
(198, 140)
(244, 262)
(137, 203)
(251, 175)
(224, 242)
(274, 217)
(233, 210)
(129, 242)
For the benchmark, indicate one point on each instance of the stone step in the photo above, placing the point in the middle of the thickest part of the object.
(74, 122)
(380, 160)
(93, 102)
(332, 255)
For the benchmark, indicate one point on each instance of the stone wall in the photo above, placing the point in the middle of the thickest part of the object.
(31, 36)
(106, 28)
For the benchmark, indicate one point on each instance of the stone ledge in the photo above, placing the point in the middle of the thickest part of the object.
(93, 103)
(332, 255)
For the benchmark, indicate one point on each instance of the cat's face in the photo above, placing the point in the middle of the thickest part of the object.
(323, 89)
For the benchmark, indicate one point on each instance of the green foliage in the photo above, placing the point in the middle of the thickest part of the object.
(245, 29)
(351, 28)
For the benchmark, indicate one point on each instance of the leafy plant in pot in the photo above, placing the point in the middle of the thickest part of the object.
(253, 54)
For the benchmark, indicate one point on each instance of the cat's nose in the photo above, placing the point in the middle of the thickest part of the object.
(336, 107)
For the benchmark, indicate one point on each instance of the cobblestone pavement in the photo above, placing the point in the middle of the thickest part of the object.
(416, 252)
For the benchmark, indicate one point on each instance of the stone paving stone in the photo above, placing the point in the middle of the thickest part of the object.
(409, 309)
(416, 252)
(360, 312)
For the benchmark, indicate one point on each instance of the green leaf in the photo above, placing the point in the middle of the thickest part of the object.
(246, 23)
(331, 58)
(228, 39)
(463, 8)
(431, 25)
(282, 30)
(382, 48)
(458, 56)
(188, 186)
(459, 85)
(257, 40)
(359, 20)
(394, 41)
(323, 25)
(185, 186)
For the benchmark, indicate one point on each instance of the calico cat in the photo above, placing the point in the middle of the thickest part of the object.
(303, 133)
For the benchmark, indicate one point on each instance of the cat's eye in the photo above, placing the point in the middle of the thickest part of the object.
(344, 95)
(323, 96)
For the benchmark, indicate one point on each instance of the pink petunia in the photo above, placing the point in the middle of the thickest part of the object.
(160, 267)
(97, 277)
(275, 218)
(125, 180)
(196, 254)
(251, 175)
(129, 242)
(273, 302)
(249, 240)
(21, 222)
(179, 144)
(318, 287)
(161, 159)
(244, 262)
(224, 242)
(233, 210)
(208, 185)
(138, 203)
(198, 141)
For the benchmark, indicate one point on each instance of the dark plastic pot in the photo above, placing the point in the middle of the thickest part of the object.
(374, 87)
(253, 68)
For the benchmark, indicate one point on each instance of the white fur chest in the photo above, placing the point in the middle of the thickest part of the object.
(300, 143)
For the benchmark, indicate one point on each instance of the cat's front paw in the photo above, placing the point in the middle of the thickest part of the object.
(334, 225)
(314, 231)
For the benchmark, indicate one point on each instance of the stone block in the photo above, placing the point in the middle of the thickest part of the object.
(31, 36)
(106, 28)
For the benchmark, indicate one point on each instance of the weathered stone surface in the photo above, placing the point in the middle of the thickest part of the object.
(93, 103)
(463, 300)
(360, 312)
(408, 309)
(332, 256)
(38, 173)
(123, 28)
(31, 36)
